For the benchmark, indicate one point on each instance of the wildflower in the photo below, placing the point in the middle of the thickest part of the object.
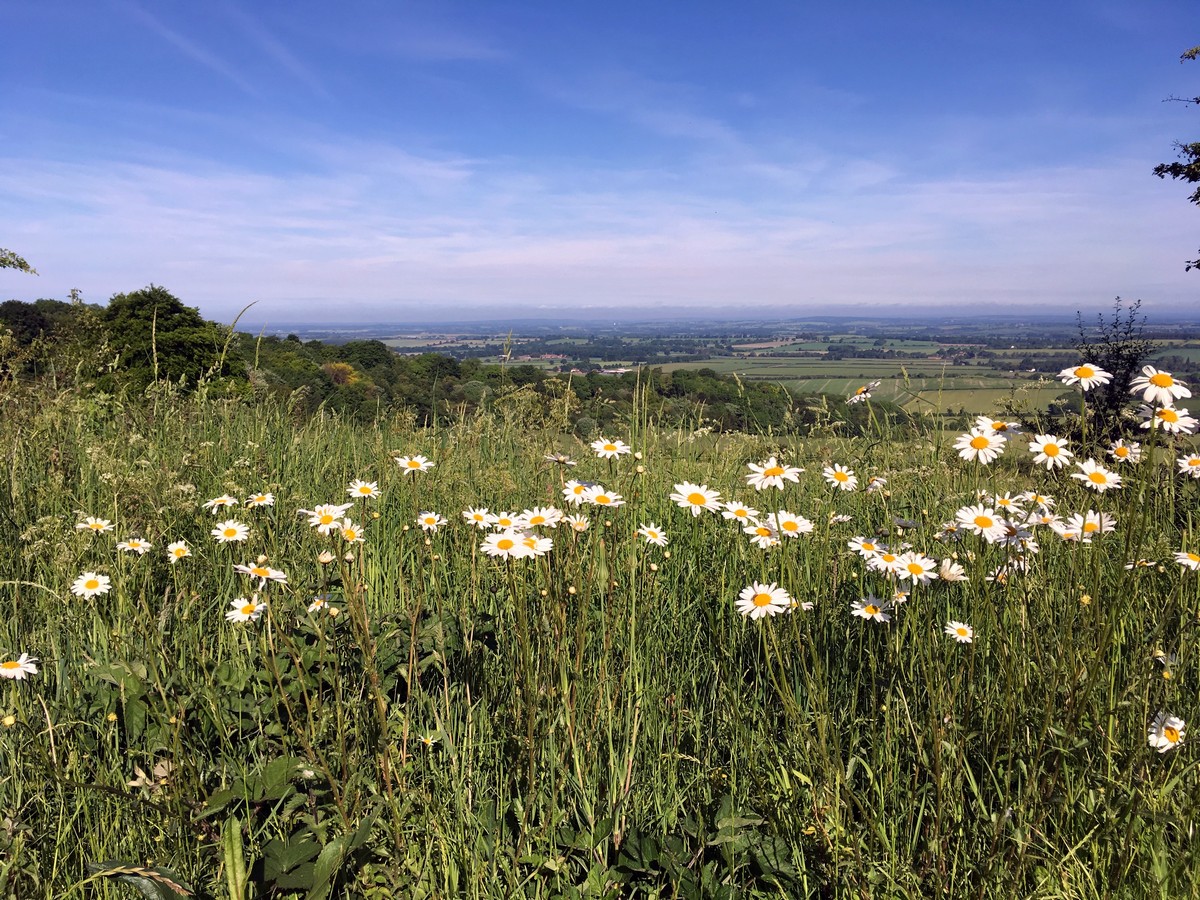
(506, 544)
(17, 669)
(577, 523)
(653, 534)
(573, 492)
(216, 504)
(478, 516)
(915, 567)
(318, 604)
(762, 535)
(1096, 477)
(430, 521)
(997, 426)
(1159, 388)
(863, 393)
(960, 631)
(865, 547)
(980, 445)
(506, 521)
(759, 600)
(876, 483)
(414, 464)
(789, 524)
(951, 571)
(871, 607)
(1188, 560)
(1141, 564)
(89, 585)
(364, 490)
(981, 520)
(606, 449)
(737, 511)
(230, 530)
(91, 523)
(884, 561)
(1189, 465)
(325, 517)
(350, 532)
(260, 499)
(561, 458)
(1169, 419)
(696, 497)
(1125, 451)
(1166, 732)
(1085, 375)
(598, 496)
(1050, 451)
(771, 474)
(1008, 504)
(243, 610)
(428, 740)
(262, 572)
(536, 544)
(1168, 663)
(325, 557)
(541, 517)
(1090, 523)
(840, 477)
(177, 551)
(134, 545)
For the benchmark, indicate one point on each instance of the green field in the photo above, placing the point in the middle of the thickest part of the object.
(389, 710)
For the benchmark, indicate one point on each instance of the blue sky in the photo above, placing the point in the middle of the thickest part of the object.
(391, 161)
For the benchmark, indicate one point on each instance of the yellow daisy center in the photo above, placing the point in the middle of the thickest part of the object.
(534, 520)
(1193, 557)
(1050, 449)
(915, 568)
(1121, 452)
(1097, 478)
(790, 526)
(413, 464)
(762, 599)
(979, 442)
(984, 521)
(530, 542)
(1193, 462)
(961, 632)
(230, 532)
(1085, 372)
(1161, 379)
(867, 545)
(840, 476)
(364, 490)
(603, 499)
(696, 498)
(259, 571)
(505, 543)
(1171, 734)
(248, 609)
(999, 426)
(871, 609)
(180, 551)
(887, 557)
(610, 447)
(861, 390)
(10, 664)
(1168, 415)
(762, 531)
(773, 471)
(91, 584)
(326, 519)
(1089, 527)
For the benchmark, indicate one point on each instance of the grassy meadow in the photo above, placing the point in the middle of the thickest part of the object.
(387, 710)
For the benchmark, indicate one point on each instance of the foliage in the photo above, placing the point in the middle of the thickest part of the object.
(10, 260)
(1187, 167)
(1118, 345)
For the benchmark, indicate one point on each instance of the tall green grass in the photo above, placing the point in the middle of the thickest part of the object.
(597, 722)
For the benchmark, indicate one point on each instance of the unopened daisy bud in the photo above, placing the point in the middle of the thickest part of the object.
(112, 717)
(641, 470)
(349, 557)
(653, 567)
(571, 590)
(9, 721)
(334, 612)
(637, 455)
(666, 554)
(261, 560)
(325, 557)
(543, 592)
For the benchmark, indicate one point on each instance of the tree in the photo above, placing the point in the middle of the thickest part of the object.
(158, 338)
(10, 260)
(1119, 346)
(1187, 168)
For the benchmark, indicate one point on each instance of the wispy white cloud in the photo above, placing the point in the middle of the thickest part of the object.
(274, 48)
(188, 47)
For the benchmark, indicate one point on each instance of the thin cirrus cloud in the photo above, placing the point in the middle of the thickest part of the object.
(419, 164)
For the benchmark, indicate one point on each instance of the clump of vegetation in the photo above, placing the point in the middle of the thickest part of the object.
(247, 648)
